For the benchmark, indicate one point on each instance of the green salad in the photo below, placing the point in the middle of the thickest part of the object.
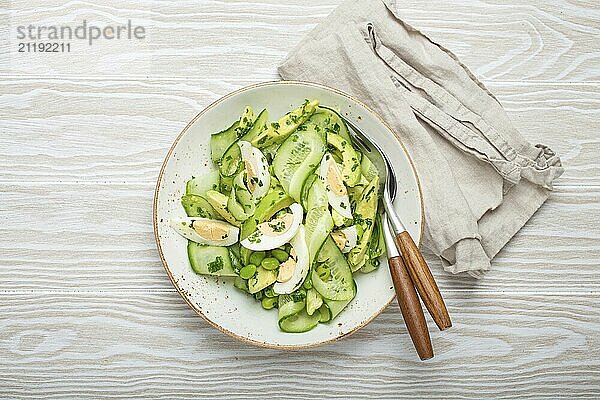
(290, 213)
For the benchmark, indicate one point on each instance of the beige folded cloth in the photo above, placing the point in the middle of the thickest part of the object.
(481, 180)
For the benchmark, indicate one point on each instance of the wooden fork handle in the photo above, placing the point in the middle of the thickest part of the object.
(423, 280)
(411, 308)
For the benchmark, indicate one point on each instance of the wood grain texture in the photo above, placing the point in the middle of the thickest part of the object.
(520, 41)
(423, 279)
(86, 310)
(410, 306)
(77, 130)
(140, 345)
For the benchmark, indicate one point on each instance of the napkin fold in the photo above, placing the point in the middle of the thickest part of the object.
(481, 180)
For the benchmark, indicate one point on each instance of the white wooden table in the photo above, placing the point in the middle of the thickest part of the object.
(86, 309)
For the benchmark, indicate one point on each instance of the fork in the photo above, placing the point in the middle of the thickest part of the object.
(416, 266)
(408, 300)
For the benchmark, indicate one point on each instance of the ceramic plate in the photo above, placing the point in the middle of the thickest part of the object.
(224, 306)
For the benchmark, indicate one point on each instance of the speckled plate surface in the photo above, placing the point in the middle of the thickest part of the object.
(224, 306)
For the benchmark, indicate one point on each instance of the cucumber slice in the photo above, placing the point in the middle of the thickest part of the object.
(210, 260)
(290, 304)
(340, 285)
(330, 121)
(306, 189)
(335, 307)
(300, 322)
(377, 243)
(220, 142)
(324, 313)
(313, 301)
(293, 317)
(236, 209)
(199, 185)
(198, 206)
(368, 169)
(318, 225)
(375, 249)
(297, 158)
(258, 126)
(234, 256)
(230, 161)
(318, 222)
(317, 196)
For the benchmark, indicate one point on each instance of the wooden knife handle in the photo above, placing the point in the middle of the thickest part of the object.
(423, 280)
(411, 308)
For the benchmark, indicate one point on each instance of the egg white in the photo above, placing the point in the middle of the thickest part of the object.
(184, 226)
(256, 159)
(298, 243)
(339, 202)
(258, 241)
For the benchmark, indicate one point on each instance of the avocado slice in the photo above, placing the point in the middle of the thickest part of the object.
(274, 201)
(280, 130)
(364, 217)
(338, 219)
(261, 279)
(198, 206)
(313, 301)
(235, 208)
(350, 158)
(218, 201)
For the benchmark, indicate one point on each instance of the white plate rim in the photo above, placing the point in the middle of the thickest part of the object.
(155, 213)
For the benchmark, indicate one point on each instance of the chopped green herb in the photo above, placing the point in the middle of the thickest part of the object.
(215, 265)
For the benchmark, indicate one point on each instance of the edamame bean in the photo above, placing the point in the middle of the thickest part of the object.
(280, 255)
(248, 271)
(307, 283)
(257, 257)
(270, 263)
(269, 292)
(269, 302)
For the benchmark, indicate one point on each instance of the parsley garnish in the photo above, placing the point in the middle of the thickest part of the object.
(278, 226)
(297, 297)
(254, 239)
(215, 265)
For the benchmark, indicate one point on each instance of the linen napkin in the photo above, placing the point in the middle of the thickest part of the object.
(481, 180)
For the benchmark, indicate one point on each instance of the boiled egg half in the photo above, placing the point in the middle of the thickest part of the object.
(256, 168)
(346, 239)
(206, 231)
(337, 194)
(276, 232)
(293, 271)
